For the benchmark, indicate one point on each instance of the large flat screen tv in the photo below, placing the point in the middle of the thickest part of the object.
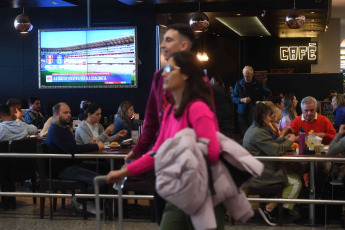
(88, 58)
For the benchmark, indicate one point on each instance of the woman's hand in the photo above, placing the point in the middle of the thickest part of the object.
(116, 175)
(287, 130)
(122, 133)
(109, 129)
(291, 137)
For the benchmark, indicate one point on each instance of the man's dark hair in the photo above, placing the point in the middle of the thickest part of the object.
(13, 102)
(32, 100)
(56, 108)
(92, 108)
(4, 110)
(184, 30)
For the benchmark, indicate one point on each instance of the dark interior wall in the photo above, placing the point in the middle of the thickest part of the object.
(224, 59)
(264, 53)
(19, 54)
(316, 85)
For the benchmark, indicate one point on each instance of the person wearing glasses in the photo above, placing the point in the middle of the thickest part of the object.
(192, 107)
(178, 37)
(246, 93)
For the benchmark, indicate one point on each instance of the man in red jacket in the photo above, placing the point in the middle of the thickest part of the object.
(310, 120)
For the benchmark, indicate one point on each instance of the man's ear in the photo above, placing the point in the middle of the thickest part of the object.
(184, 46)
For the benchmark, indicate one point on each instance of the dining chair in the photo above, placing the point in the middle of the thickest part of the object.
(55, 185)
(25, 168)
(6, 177)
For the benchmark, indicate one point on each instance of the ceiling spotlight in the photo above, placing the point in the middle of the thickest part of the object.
(22, 23)
(263, 13)
(294, 18)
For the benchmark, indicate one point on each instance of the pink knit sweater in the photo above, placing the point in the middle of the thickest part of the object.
(203, 121)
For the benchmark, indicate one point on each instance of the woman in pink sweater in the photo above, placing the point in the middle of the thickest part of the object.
(183, 77)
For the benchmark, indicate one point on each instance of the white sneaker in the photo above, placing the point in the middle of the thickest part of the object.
(90, 208)
(75, 202)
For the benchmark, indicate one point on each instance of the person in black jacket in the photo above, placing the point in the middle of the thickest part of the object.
(61, 140)
(223, 104)
(246, 93)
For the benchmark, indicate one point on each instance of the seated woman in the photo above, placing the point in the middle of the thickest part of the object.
(336, 147)
(259, 142)
(289, 111)
(338, 104)
(124, 119)
(90, 130)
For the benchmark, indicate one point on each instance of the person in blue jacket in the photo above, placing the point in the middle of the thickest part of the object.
(246, 93)
(124, 119)
(338, 104)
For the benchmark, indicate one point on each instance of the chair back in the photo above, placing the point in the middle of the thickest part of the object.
(4, 146)
(25, 168)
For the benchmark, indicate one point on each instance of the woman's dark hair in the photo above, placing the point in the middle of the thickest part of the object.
(122, 112)
(91, 108)
(196, 87)
(260, 112)
(288, 106)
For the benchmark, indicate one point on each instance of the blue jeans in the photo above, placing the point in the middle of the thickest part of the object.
(78, 173)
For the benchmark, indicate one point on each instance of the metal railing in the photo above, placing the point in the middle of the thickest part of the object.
(150, 197)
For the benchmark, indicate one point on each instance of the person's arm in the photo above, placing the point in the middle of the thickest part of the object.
(338, 143)
(339, 116)
(32, 130)
(236, 94)
(268, 145)
(146, 162)
(46, 127)
(294, 126)
(151, 123)
(65, 141)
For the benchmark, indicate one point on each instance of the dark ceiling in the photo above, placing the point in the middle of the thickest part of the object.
(317, 12)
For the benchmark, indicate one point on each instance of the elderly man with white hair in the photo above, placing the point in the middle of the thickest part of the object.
(246, 93)
(310, 120)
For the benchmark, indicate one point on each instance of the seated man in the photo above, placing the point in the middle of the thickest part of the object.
(14, 104)
(61, 140)
(12, 128)
(310, 120)
(33, 115)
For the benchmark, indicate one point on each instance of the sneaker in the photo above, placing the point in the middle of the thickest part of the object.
(90, 208)
(337, 182)
(270, 220)
(293, 212)
(75, 202)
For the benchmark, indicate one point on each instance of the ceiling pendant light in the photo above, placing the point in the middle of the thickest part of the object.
(294, 18)
(22, 23)
(199, 21)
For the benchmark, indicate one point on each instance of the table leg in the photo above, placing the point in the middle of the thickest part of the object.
(312, 193)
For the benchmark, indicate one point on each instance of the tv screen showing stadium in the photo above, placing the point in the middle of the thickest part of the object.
(88, 58)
